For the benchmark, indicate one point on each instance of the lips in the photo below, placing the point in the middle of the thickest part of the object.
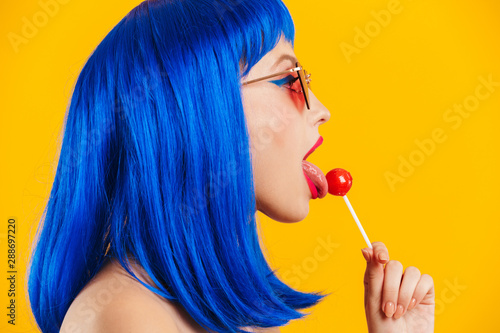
(313, 148)
(314, 176)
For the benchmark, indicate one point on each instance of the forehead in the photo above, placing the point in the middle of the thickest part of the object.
(268, 64)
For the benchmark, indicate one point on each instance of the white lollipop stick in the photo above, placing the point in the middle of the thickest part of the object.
(357, 221)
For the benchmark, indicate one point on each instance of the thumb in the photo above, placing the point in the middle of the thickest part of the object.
(373, 279)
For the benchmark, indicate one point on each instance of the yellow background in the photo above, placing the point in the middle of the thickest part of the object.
(443, 218)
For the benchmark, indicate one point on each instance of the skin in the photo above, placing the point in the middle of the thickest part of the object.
(113, 301)
(282, 130)
(385, 282)
(283, 195)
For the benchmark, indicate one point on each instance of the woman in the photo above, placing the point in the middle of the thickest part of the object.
(178, 131)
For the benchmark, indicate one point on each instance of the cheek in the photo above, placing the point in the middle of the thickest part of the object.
(273, 121)
(276, 129)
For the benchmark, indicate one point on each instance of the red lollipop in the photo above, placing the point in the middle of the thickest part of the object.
(339, 183)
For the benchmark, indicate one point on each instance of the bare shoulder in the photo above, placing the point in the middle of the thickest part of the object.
(115, 302)
(134, 318)
(266, 330)
(130, 314)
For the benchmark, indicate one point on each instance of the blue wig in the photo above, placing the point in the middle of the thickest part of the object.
(155, 164)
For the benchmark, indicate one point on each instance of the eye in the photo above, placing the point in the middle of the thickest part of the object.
(287, 82)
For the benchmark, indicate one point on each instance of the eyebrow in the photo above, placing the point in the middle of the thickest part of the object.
(284, 57)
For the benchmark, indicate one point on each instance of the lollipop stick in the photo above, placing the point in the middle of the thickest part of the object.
(357, 221)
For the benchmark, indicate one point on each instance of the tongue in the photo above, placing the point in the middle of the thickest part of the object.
(317, 177)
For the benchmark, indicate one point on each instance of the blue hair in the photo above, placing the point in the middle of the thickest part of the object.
(155, 164)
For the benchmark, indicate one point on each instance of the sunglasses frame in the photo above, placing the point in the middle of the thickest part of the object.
(304, 79)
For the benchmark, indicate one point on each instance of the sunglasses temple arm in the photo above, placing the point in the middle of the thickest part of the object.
(272, 75)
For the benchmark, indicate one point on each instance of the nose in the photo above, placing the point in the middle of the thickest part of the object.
(319, 113)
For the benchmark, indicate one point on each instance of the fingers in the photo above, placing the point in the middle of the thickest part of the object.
(387, 287)
(403, 292)
(379, 252)
(424, 290)
(411, 277)
(392, 281)
(374, 274)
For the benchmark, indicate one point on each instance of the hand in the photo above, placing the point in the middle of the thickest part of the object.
(388, 285)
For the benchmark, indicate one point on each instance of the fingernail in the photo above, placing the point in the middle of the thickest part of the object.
(412, 304)
(365, 254)
(382, 256)
(389, 309)
(399, 311)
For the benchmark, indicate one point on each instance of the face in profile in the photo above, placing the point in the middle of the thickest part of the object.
(282, 131)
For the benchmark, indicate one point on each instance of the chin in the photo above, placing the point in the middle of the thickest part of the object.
(289, 214)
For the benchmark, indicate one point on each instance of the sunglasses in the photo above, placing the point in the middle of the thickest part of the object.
(298, 83)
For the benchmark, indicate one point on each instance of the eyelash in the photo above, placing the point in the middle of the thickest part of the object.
(286, 82)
